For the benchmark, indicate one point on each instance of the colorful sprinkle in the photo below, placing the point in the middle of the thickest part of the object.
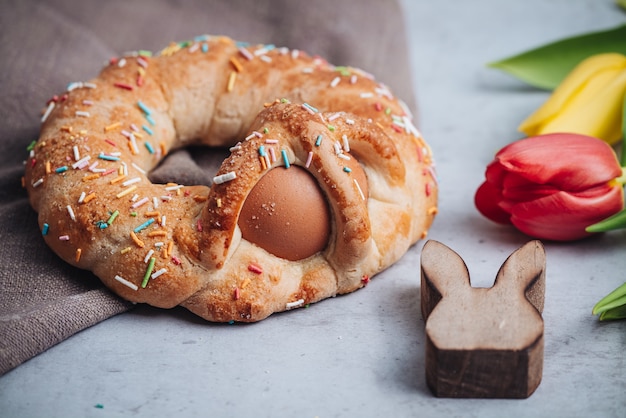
(318, 141)
(108, 157)
(45, 229)
(295, 304)
(285, 158)
(309, 158)
(158, 273)
(223, 178)
(70, 211)
(123, 86)
(112, 217)
(150, 132)
(144, 225)
(125, 192)
(61, 169)
(126, 282)
(255, 268)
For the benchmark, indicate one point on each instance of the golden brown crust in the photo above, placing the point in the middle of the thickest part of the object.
(177, 244)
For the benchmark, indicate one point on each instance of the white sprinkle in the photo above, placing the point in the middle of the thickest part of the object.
(82, 197)
(140, 203)
(133, 144)
(134, 198)
(307, 70)
(147, 257)
(295, 304)
(353, 79)
(356, 183)
(295, 53)
(93, 166)
(136, 167)
(346, 143)
(71, 212)
(163, 220)
(82, 161)
(349, 121)
(82, 113)
(142, 62)
(76, 153)
(366, 95)
(89, 85)
(237, 147)
(158, 244)
(337, 147)
(158, 273)
(121, 63)
(87, 102)
(126, 282)
(225, 177)
(74, 85)
(335, 81)
(343, 156)
(48, 111)
(172, 188)
(31, 154)
(193, 48)
(265, 58)
(155, 202)
(38, 182)
(131, 181)
(271, 141)
(249, 137)
(309, 158)
(166, 198)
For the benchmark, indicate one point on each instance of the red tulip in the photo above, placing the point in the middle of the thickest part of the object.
(552, 186)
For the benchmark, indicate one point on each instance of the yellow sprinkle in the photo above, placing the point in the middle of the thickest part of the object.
(141, 71)
(125, 250)
(120, 170)
(380, 126)
(125, 192)
(138, 135)
(154, 214)
(245, 283)
(219, 202)
(199, 198)
(118, 179)
(112, 126)
(48, 170)
(91, 177)
(159, 233)
(67, 129)
(231, 81)
(236, 64)
(78, 253)
(83, 132)
(89, 197)
(136, 240)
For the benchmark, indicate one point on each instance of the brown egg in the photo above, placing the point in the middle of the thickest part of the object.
(286, 214)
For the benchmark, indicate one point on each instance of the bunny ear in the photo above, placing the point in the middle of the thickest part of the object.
(443, 273)
(525, 271)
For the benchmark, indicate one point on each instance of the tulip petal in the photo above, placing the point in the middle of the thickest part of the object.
(546, 67)
(582, 85)
(557, 159)
(563, 216)
(487, 200)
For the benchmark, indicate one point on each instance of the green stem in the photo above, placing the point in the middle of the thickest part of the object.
(623, 155)
(612, 300)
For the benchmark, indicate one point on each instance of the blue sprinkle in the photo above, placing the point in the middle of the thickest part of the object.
(147, 129)
(205, 47)
(144, 225)
(347, 169)
(61, 169)
(200, 38)
(108, 157)
(285, 158)
(149, 146)
(262, 152)
(44, 230)
(318, 141)
(145, 108)
(150, 119)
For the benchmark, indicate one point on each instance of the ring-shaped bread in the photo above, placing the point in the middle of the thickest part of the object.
(171, 244)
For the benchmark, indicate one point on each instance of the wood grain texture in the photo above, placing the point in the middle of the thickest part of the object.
(483, 342)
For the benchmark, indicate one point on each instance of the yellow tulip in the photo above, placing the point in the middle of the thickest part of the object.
(589, 101)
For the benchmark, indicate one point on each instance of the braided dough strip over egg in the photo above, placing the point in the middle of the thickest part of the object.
(172, 244)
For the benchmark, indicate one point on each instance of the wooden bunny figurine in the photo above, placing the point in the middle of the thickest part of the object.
(483, 342)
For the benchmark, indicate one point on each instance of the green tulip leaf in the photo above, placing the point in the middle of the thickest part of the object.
(623, 156)
(621, 3)
(615, 313)
(545, 67)
(616, 221)
(612, 300)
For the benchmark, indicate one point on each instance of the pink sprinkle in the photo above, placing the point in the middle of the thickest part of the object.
(255, 268)
(427, 189)
(199, 225)
(109, 171)
(176, 260)
(108, 141)
(308, 159)
(123, 86)
(246, 54)
(64, 238)
(236, 293)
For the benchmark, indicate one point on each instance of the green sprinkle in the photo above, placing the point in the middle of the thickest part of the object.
(99, 406)
(144, 53)
(133, 214)
(388, 111)
(284, 100)
(146, 276)
(331, 128)
(31, 146)
(112, 217)
(266, 131)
